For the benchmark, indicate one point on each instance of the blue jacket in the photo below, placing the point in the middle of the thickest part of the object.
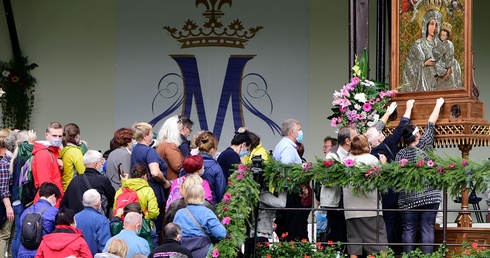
(205, 217)
(48, 224)
(215, 177)
(95, 228)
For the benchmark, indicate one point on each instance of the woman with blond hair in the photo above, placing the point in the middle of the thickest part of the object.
(199, 224)
(117, 248)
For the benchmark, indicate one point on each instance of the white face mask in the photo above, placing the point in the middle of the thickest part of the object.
(55, 142)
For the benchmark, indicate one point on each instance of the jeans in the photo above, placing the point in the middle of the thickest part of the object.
(18, 210)
(419, 220)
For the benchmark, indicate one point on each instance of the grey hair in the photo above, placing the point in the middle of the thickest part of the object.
(91, 157)
(91, 197)
(288, 125)
(133, 218)
(13, 142)
(172, 230)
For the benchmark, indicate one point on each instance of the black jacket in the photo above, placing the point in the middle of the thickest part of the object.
(72, 198)
(168, 248)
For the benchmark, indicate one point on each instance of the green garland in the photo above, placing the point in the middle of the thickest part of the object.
(17, 83)
(242, 195)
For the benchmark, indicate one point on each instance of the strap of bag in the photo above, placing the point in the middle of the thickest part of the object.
(197, 223)
(87, 183)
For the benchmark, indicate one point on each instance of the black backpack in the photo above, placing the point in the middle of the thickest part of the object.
(32, 229)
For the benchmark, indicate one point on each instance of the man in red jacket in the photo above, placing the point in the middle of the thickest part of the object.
(45, 164)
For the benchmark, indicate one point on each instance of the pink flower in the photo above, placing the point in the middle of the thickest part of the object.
(342, 109)
(239, 176)
(366, 107)
(355, 80)
(241, 168)
(378, 99)
(342, 102)
(226, 221)
(464, 163)
(215, 253)
(403, 160)
(402, 164)
(430, 163)
(227, 197)
(371, 101)
(349, 163)
(304, 166)
(382, 94)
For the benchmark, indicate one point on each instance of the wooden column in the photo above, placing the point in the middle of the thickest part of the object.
(464, 217)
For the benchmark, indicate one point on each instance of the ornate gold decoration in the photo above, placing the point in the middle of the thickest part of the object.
(447, 26)
(433, 5)
(449, 136)
(213, 33)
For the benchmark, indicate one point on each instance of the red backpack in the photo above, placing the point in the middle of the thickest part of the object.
(126, 197)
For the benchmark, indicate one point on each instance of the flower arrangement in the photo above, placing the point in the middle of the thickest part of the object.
(303, 249)
(17, 83)
(242, 195)
(360, 103)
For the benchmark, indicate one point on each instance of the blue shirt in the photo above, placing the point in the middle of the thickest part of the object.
(136, 244)
(286, 152)
(95, 228)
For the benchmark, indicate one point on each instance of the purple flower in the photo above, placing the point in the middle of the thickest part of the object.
(215, 253)
(349, 163)
(464, 163)
(226, 221)
(366, 107)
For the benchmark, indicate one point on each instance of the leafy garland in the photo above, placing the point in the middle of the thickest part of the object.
(17, 83)
(242, 195)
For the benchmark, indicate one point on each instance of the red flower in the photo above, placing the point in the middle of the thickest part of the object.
(420, 164)
(474, 245)
(288, 178)
(278, 175)
(225, 209)
(306, 256)
(229, 182)
(328, 163)
(370, 256)
(292, 245)
(330, 243)
(268, 256)
(304, 240)
(267, 244)
(284, 235)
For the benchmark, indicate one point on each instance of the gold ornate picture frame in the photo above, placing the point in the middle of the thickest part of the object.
(410, 50)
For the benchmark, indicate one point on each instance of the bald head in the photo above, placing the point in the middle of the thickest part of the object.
(133, 221)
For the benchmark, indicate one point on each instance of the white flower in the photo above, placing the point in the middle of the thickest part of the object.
(367, 83)
(361, 97)
(337, 95)
(5, 73)
(376, 117)
(1, 92)
(357, 107)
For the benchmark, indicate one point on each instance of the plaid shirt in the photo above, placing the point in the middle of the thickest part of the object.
(5, 179)
(414, 154)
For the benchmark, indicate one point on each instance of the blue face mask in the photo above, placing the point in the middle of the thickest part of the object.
(56, 142)
(300, 136)
(244, 153)
(101, 170)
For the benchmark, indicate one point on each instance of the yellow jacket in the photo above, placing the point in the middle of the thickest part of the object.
(259, 150)
(146, 196)
(72, 158)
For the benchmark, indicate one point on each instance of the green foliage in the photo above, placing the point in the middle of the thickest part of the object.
(18, 84)
(240, 200)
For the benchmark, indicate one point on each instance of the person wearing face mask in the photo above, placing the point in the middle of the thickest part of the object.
(91, 179)
(94, 226)
(285, 150)
(193, 166)
(46, 166)
(124, 143)
(71, 154)
(232, 156)
(49, 194)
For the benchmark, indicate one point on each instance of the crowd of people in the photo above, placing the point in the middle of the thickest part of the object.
(153, 194)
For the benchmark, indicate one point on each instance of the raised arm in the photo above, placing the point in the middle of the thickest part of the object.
(408, 110)
(437, 109)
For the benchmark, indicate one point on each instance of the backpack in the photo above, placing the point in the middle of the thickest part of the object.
(32, 229)
(126, 197)
(175, 192)
(27, 189)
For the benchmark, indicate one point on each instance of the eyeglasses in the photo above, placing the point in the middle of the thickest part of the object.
(190, 130)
